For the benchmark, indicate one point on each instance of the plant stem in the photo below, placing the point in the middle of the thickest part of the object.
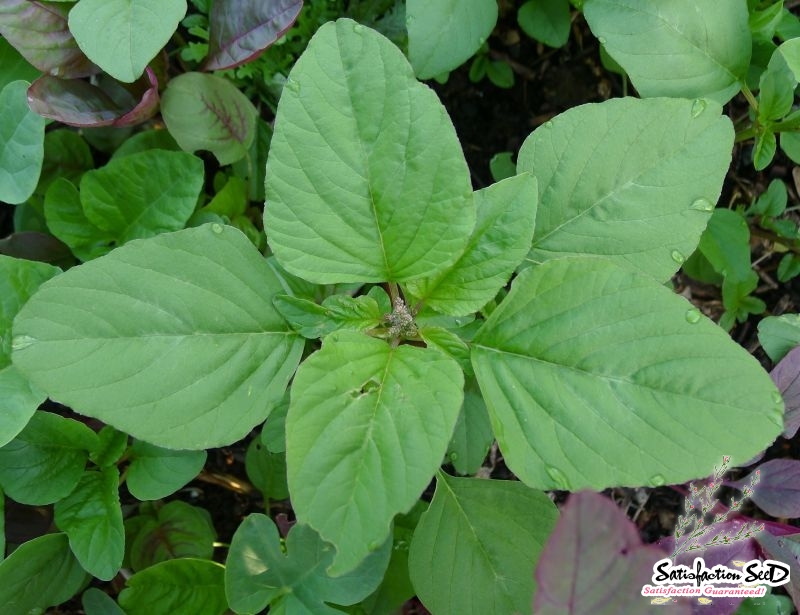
(394, 292)
(749, 96)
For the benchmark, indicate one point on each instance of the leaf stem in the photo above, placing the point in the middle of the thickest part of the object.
(750, 97)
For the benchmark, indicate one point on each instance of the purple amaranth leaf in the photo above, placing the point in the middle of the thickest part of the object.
(786, 376)
(39, 31)
(594, 562)
(76, 102)
(778, 492)
(784, 549)
(239, 30)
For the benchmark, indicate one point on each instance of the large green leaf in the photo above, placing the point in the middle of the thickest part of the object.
(476, 547)
(366, 181)
(635, 180)
(208, 112)
(92, 519)
(143, 194)
(46, 460)
(367, 427)
(21, 144)
(184, 585)
(502, 236)
(681, 48)
(597, 376)
(19, 279)
(41, 573)
(260, 572)
(122, 36)
(171, 339)
(444, 34)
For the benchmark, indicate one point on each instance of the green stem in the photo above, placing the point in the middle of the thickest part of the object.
(394, 292)
(749, 96)
(746, 134)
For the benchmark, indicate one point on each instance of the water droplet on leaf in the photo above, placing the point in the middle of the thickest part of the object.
(698, 107)
(375, 545)
(678, 257)
(602, 40)
(216, 228)
(358, 28)
(702, 205)
(558, 478)
(693, 315)
(658, 480)
(294, 86)
(548, 124)
(21, 342)
(777, 397)
(453, 456)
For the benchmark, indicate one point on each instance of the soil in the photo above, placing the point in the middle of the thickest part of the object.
(489, 120)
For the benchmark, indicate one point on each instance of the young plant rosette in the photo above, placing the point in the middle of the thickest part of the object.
(589, 373)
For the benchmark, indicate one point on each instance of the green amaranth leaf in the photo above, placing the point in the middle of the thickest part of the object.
(500, 240)
(366, 181)
(186, 585)
(466, 557)
(156, 472)
(175, 530)
(143, 194)
(92, 519)
(67, 221)
(39, 574)
(21, 144)
(122, 36)
(682, 48)
(547, 21)
(19, 279)
(596, 376)
(779, 334)
(172, 339)
(314, 321)
(444, 34)
(46, 460)
(367, 427)
(207, 112)
(633, 180)
(260, 572)
(473, 434)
